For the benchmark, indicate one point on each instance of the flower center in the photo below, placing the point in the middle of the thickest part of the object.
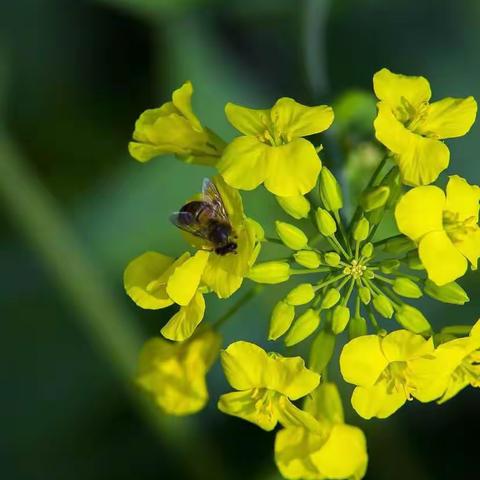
(413, 118)
(396, 375)
(469, 369)
(456, 228)
(264, 401)
(356, 269)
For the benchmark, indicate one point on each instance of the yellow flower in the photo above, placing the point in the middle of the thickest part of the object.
(174, 373)
(412, 128)
(445, 227)
(155, 281)
(174, 129)
(272, 150)
(460, 359)
(266, 384)
(327, 448)
(389, 371)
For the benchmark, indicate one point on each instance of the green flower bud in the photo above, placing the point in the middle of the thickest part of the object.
(281, 319)
(375, 197)
(398, 245)
(414, 262)
(389, 266)
(383, 306)
(368, 274)
(357, 327)
(367, 250)
(332, 259)
(412, 319)
(303, 327)
(340, 318)
(270, 272)
(330, 299)
(406, 288)
(297, 207)
(330, 192)
(291, 236)
(321, 351)
(361, 230)
(307, 258)
(449, 293)
(365, 295)
(325, 222)
(301, 294)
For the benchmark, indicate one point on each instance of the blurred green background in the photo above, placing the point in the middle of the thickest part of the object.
(74, 75)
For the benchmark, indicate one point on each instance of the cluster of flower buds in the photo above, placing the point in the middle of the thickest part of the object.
(349, 287)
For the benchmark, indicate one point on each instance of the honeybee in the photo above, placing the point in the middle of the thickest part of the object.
(208, 219)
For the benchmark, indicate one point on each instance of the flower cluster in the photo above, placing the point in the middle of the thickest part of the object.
(352, 282)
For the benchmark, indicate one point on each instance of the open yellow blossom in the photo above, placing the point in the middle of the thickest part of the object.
(266, 383)
(328, 448)
(412, 128)
(174, 373)
(155, 281)
(174, 129)
(460, 360)
(389, 371)
(272, 150)
(445, 227)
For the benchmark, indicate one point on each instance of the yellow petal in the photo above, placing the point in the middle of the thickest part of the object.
(420, 211)
(248, 121)
(244, 365)
(293, 168)
(469, 246)
(232, 201)
(145, 282)
(144, 151)
(291, 416)
(184, 281)
(182, 100)
(462, 198)
(475, 331)
(443, 262)
(377, 400)
(294, 120)
(244, 163)
(393, 88)
(402, 345)
(344, 454)
(223, 283)
(244, 405)
(449, 117)
(182, 325)
(420, 159)
(362, 360)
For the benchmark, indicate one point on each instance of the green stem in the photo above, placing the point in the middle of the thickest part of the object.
(328, 282)
(349, 292)
(306, 271)
(343, 233)
(340, 247)
(385, 240)
(253, 292)
(274, 240)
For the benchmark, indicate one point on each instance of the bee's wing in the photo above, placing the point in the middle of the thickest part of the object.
(212, 196)
(186, 221)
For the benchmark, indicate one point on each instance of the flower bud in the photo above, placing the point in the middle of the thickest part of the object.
(297, 207)
(270, 272)
(307, 258)
(291, 236)
(361, 230)
(412, 319)
(281, 319)
(330, 192)
(325, 403)
(393, 182)
(332, 259)
(389, 266)
(383, 306)
(330, 299)
(414, 262)
(367, 250)
(449, 293)
(406, 288)
(398, 245)
(303, 327)
(357, 327)
(321, 351)
(375, 197)
(368, 274)
(365, 295)
(340, 318)
(325, 222)
(301, 294)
